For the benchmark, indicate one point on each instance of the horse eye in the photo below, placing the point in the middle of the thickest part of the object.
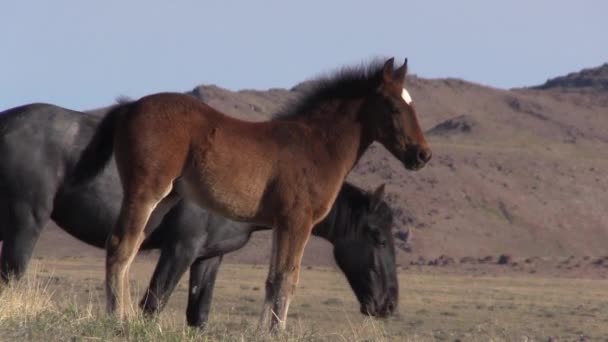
(378, 238)
(392, 106)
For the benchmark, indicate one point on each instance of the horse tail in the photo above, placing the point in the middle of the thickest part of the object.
(98, 152)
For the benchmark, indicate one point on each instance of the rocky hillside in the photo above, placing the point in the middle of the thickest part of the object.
(518, 171)
(592, 78)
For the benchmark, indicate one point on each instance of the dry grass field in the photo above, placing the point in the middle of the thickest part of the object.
(62, 300)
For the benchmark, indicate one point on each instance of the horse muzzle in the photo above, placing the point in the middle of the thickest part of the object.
(382, 310)
(416, 157)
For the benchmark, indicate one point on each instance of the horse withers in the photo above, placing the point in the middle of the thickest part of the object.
(39, 145)
(284, 173)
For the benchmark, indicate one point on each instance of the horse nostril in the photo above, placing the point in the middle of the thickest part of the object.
(424, 155)
(364, 310)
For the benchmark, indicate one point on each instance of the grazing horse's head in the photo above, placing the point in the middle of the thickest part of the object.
(393, 118)
(367, 257)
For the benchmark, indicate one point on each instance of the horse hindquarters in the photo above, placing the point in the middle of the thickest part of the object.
(147, 163)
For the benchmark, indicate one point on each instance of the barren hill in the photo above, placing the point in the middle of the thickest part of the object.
(592, 78)
(519, 171)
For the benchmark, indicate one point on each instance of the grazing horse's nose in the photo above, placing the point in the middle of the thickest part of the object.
(390, 307)
(424, 155)
(379, 308)
(369, 309)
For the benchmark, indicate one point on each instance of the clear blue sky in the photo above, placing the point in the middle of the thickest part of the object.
(82, 54)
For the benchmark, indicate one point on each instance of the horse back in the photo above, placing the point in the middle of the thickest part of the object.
(39, 134)
(169, 138)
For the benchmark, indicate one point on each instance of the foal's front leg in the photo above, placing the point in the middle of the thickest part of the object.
(288, 248)
(267, 309)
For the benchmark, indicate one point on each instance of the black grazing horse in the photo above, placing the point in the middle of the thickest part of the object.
(39, 146)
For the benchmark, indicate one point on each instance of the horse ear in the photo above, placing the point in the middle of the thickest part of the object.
(377, 197)
(387, 70)
(401, 72)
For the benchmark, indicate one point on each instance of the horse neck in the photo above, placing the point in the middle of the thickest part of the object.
(343, 134)
(338, 223)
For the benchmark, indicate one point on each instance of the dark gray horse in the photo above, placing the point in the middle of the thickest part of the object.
(39, 146)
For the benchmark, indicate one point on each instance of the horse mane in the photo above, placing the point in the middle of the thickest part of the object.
(351, 207)
(123, 99)
(348, 82)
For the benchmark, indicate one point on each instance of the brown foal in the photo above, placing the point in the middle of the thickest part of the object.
(284, 173)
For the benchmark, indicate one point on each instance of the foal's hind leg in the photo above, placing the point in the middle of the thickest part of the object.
(124, 242)
(153, 222)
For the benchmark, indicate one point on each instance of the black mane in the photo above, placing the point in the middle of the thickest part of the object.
(350, 209)
(348, 82)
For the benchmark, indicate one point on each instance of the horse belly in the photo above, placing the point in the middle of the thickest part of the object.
(231, 188)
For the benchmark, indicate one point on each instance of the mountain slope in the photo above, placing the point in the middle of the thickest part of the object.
(592, 78)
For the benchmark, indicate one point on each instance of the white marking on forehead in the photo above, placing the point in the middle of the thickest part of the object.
(406, 96)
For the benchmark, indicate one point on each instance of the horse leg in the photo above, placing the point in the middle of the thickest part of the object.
(202, 282)
(267, 313)
(124, 242)
(172, 264)
(165, 270)
(23, 225)
(291, 240)
(290, 251)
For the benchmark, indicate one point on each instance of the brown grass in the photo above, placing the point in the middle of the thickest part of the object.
(26, 299)
(61, 302)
